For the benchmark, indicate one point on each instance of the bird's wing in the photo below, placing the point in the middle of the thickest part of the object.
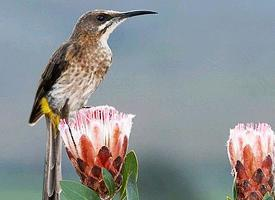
(58, 63)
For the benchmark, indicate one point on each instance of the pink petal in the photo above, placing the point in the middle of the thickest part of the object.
(231, 153)
(124, 147)
(258, 152)
(87, 150)
(248, 159)
(115, 147)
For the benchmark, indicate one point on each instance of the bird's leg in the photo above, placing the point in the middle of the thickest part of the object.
(65, 111)
(65, 115)
(84, 104)
(86, 107)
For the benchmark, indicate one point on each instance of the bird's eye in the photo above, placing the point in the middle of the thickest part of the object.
(101, 18)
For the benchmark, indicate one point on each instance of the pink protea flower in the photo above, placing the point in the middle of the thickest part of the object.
(97, 138)
(250, 151)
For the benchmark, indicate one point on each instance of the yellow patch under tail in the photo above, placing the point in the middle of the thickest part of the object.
(46, 109)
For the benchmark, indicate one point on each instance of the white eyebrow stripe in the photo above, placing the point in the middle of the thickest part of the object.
(102, 26)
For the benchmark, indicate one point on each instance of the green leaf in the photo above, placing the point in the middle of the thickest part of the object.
(123, 194)
(109, 181)
(130, 167)
(132, 189)
(267, 196)
(73, 190)
(228, 198)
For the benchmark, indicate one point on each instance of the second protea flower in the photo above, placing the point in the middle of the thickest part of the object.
(97, 138)
(250, 151)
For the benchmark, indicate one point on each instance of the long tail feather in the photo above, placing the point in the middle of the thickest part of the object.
(52, 168)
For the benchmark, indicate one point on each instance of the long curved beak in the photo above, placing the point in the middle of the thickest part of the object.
(136, 13)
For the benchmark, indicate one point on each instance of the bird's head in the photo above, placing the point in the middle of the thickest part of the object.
(101, 23)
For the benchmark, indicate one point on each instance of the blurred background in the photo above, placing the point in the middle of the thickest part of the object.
(189, 74)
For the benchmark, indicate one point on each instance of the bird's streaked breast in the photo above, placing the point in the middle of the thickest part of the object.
(85, 72)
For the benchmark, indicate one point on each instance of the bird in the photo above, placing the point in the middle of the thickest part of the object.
(72, 74)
